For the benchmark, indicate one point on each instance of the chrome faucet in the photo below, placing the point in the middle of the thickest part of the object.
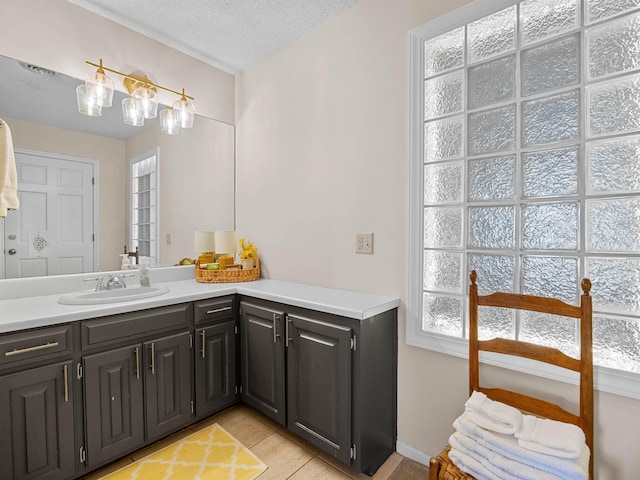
(117, 281)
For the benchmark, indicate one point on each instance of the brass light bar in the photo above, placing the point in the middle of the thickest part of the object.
(138, 80)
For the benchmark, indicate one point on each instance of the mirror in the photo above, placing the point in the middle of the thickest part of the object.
(196, 179)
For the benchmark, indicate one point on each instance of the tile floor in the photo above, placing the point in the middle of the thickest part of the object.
(287, 456)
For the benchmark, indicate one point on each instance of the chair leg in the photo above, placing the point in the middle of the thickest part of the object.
(434, 468)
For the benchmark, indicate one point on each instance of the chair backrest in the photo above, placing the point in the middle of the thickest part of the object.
(583, 365)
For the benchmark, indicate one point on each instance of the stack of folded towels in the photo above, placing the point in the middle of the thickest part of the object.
(496, 441)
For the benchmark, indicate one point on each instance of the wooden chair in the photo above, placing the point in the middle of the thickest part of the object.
(441, 466)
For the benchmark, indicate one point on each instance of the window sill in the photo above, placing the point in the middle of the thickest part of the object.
(626, 384)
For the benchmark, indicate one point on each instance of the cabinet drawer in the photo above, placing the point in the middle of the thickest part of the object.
(35, 344)
(222, 308)
(109, 330)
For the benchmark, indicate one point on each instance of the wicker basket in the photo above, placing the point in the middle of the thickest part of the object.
(227, 276)
(445, 468)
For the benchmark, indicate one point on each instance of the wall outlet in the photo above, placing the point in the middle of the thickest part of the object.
(364, 243)
(168, 239)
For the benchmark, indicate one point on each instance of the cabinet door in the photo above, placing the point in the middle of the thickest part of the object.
(215, 367)
(319, 384)
(113, 403)
(262, 360)
(168, 384)
(36, 414)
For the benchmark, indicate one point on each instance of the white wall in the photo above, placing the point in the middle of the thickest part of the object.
(322, 146)
(196, 183)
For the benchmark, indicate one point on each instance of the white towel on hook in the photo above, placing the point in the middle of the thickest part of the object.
(8, 175)
(555, 438)
(495, 416)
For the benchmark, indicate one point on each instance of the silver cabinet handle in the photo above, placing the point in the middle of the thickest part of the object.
(275, 328)
(153, 358)
(31, 349)
(286, 331)
(137, 363)
(218, 310)
(65, 371)
(202, 334)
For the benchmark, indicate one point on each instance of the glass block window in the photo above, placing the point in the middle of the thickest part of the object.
(144, 205)
(530, 164)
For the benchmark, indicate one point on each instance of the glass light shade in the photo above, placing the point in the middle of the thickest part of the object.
(185, 111)
(87, 104)
(149, 101)
(226, 242)
(169, 123)
(100, 87)
(204, 241)
(132, 112)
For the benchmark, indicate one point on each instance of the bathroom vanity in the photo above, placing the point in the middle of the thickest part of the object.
(83, 385)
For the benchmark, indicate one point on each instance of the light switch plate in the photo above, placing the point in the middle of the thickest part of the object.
(364, 243)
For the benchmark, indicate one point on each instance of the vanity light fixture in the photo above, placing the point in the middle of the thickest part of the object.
(99, 86)
(97, 92)
(169, 122)
(185, 111)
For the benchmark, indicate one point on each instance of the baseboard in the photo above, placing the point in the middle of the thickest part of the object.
(412, 453)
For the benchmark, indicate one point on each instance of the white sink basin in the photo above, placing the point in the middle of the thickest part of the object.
(90, 297)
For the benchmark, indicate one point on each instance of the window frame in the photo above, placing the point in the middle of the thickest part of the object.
(605, 379)
(154, 152)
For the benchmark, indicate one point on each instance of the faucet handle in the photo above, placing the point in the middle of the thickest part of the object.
(126, 275)
(100, 285)
(117, 281)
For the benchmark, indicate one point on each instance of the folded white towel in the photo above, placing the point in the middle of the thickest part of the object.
(492, 415)
(496, 463)
(507, 445)
(470, 465)
(551, 437)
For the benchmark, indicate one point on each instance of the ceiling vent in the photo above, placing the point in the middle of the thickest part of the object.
(38, 70)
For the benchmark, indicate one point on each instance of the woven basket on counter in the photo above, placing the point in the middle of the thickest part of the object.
(227, 276)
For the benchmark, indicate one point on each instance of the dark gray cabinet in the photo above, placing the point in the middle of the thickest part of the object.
(319, 384)
(137, 392)
(216, 376)
(338, 390)
(167, 384)
(37, 418)
(262, 359)
(114, 403)
(142, 375)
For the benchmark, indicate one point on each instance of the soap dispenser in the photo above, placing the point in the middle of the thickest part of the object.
(145, 281)
(125, 264)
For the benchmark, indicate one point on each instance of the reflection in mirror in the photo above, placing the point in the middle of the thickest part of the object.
(58, 149)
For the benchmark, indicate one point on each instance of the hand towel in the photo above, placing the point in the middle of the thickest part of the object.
(551, 437)
(470, 465)
(8, 175)
(496, 463)
(495, 416)
(507, 445)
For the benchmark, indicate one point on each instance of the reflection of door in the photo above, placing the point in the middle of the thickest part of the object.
(52, 232)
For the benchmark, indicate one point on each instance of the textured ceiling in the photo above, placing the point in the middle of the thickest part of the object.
(228, 34)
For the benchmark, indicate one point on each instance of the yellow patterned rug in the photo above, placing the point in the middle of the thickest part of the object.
(210, 454)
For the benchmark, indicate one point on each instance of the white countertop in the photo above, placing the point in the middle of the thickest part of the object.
(43, 310)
